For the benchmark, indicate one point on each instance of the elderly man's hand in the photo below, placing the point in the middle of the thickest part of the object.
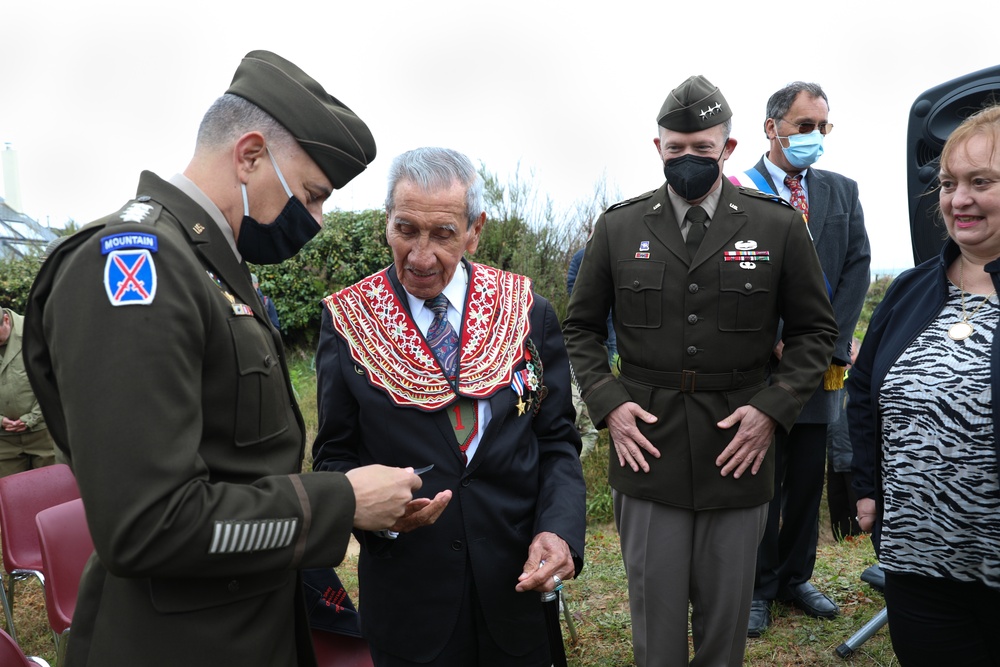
(548, 556)
(381, 495)
(628, 441)
(422, 512)
(749, 446)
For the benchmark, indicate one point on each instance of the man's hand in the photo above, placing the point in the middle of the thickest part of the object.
(548, 556)
(866, 514)
(422, 512)
(381, 495)
(13, 425)
(628, 441)
(748, 447)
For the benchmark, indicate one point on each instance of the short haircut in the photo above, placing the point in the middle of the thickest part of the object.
(231, 116)
(779, 103)
(437, 168)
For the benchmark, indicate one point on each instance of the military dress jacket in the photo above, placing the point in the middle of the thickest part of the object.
(837, 225)
(525, 477)
(695, 335)
(166, 387)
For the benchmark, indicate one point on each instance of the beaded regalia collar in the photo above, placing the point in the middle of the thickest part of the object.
(385, 341)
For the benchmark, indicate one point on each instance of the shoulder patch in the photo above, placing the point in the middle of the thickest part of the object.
(126, 240)
(757, 194)
(645, 195)
(130, 277)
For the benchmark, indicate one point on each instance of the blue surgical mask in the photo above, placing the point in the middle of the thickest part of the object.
(803, 149)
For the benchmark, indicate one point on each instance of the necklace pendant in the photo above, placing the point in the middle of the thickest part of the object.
(960, 330)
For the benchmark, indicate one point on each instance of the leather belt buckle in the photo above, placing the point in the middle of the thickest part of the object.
(687, 381)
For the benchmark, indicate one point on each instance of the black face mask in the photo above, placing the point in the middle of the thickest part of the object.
(691, 176)
(276, 242)
(280, 240)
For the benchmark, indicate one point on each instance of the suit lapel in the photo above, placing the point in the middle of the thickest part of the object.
(729, 218)
(819, 203)
(204, 234)
(662, 224)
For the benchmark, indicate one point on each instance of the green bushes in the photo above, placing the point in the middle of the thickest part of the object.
(16, 276)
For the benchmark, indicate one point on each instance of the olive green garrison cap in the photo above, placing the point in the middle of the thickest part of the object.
(333, 135)
(694, 105)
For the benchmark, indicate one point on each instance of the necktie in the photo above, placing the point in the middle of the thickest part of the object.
(798, 199)
(697, 216)
(441, 335)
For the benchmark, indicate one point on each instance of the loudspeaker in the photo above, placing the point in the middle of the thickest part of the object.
(933, 116)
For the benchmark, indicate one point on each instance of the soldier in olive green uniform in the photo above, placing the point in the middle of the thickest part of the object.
(166, 387)
(25, 442)
(696, 305)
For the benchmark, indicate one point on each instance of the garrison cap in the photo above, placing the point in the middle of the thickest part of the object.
(329, 132)
(694, 105)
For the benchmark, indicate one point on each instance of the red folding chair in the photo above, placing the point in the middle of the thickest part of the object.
(336, 650)
(66, 546)
(22, 496)
(12, 656)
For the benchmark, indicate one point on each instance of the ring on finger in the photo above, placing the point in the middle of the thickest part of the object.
(558, 582)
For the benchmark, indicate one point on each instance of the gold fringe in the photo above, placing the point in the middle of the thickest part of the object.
(833, 378)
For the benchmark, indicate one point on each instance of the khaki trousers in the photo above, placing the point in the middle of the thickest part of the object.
(26, 451)
(676, 556)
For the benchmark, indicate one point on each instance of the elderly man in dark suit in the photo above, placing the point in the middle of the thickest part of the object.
(692, 415)
(459, 370)
(796, 125)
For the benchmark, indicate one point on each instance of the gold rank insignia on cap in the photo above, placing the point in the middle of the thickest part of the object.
(694, 105)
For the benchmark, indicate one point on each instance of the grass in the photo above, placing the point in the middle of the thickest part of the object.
(598, 600)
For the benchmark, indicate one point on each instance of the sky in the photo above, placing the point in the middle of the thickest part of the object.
(565, 95)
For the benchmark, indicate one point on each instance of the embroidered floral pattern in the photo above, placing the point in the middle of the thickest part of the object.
(385, 341)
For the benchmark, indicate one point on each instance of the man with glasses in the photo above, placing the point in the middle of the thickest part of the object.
(796, 125)
(691, 414)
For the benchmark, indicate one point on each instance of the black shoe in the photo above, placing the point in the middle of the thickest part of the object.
(760, 617)
(812, 602)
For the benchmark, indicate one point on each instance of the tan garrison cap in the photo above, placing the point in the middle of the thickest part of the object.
(333, 135)
(694, 105)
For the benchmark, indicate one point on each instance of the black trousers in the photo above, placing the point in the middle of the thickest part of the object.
(471, 645)
(935, 622)
(842, 502)
(787, 553)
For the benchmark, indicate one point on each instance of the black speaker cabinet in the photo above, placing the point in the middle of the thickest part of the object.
(933, 116)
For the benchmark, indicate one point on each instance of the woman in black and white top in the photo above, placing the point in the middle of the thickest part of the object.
(924, 428)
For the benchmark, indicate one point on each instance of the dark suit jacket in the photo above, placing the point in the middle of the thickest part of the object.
(703, 315)
(525, 478)
(837, 225)
(179, 422)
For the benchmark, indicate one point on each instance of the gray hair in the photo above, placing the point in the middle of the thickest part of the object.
(436, 168)
(231, 116)
(779, 103)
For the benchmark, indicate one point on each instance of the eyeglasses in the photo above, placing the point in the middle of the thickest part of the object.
(808, 128)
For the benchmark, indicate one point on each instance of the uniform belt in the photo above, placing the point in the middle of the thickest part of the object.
(691, 381)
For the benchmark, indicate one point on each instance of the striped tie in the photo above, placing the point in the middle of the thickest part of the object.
(441, 336)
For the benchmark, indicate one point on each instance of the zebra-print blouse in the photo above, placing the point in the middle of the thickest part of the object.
(939, 473)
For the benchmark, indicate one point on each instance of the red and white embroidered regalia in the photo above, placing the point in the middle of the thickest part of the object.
(385, 341)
